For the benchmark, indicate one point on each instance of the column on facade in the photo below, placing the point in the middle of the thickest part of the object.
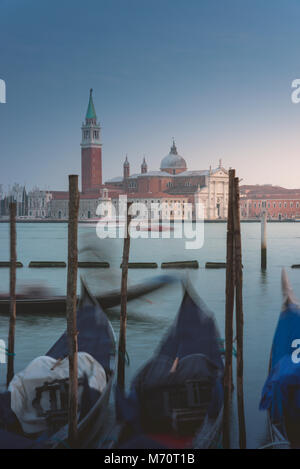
(209, 197)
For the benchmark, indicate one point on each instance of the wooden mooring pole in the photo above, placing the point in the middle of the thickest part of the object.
(264, 241)
(123, 316)
(239, 314)
(71, 308)
(12, 308)
(230, 282)
(234, 291)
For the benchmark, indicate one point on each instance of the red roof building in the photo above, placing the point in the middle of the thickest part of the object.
(279, 203)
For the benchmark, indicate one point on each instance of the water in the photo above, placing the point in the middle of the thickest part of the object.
(149, 318)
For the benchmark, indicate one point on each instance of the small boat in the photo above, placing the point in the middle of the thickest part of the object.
(281, 392)
(176, 399)
(155, 227)
(96, 346)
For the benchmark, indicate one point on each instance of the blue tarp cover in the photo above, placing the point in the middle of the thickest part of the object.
(94, 337)
(282, 388)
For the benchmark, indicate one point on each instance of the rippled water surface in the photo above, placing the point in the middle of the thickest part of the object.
(149, 318)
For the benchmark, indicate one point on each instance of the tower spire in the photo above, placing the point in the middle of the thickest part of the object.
(91, 112)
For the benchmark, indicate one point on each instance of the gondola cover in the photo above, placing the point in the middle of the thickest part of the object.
(96, 345)
(183, 377)
(281, 392)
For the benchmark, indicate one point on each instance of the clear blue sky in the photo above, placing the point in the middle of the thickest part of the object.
(215, 74)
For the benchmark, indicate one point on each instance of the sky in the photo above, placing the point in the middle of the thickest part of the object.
(214, 74)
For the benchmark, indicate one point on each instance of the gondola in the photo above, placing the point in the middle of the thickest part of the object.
(57, 305)
(176, 399)
(96, 346)
(281, 392)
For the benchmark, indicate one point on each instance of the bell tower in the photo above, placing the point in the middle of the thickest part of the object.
(91, 151)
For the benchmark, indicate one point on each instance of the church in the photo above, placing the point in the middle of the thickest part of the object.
(173, 183)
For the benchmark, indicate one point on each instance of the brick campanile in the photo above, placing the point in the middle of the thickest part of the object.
(91, 151)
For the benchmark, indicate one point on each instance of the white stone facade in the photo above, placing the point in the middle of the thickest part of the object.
(38, 203)
(214, 195)
(59, 209)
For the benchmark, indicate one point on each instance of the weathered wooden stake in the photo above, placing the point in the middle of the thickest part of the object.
(12, 308)
(264, 240)
(239, 314)
(123, 316)
(71, 308)
(230, 282)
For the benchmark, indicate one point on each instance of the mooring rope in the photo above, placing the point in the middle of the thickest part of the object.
(126, 357)
(222, 348)
(9, 354)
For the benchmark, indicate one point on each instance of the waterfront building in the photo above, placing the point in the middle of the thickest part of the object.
(209, 187)
(38, 203)
(17, 194)
(58, 207)
(159, 206)
(278, 202)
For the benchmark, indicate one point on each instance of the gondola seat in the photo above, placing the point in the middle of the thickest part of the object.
(176, 401)
(39, 394)
(180, 408)
(57, 392)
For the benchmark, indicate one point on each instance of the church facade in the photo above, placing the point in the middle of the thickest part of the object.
(175, 181)
(172, 184)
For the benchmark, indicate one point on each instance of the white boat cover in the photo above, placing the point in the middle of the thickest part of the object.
(38, 372)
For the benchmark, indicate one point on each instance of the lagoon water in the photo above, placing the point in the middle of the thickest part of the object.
(148, 318)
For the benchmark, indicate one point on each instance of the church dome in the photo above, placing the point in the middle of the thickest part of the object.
(173, 161)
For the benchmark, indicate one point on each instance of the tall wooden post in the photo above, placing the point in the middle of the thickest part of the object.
(230, 282)
(264, 241)
(239, 314)
(71, 308)
(12, 288)
(123, 317)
